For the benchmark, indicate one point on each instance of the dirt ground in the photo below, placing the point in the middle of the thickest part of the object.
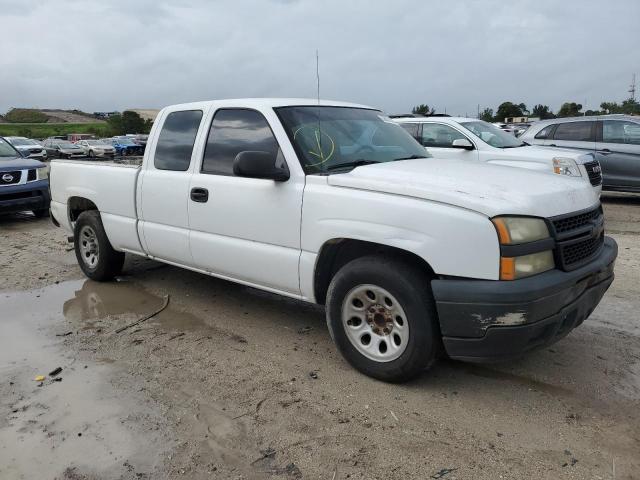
(229, 382)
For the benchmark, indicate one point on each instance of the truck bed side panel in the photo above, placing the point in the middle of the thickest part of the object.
(112, 188)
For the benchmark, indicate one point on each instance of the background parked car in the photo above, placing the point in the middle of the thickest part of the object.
(24, 182)
(125, 146)
(97, 148)
(57, 148)
(28, 148)
(613, 139)
(472, 139)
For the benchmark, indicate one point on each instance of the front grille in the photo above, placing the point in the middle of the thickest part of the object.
(595, 173)
(579, 237)
(10, 178)
(575, 222)
(35, 151)
(19, 195)
(578, 252)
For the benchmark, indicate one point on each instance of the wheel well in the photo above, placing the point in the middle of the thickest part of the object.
(336, 253)
(77, 205)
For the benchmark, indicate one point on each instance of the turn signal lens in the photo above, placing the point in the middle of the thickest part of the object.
(516, 230)
(526, 265)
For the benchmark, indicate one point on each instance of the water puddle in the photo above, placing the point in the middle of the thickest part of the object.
(94, 301)
(80, 425)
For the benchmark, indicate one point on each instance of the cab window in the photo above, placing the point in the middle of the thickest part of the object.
(176, 139)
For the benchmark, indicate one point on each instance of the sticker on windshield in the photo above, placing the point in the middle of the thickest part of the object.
(316, 142)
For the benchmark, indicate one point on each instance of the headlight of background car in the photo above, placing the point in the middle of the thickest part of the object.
(43, 173)
(566, 166)
(514, 231)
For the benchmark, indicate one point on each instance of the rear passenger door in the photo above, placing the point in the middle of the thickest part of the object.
(163, 188)
(246, 229)
(618, 150)
(580, 135)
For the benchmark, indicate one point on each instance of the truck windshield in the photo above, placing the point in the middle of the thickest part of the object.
(492, 135)
(334, 139)
(6, 150)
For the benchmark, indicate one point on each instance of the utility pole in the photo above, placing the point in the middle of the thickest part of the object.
(632, 87)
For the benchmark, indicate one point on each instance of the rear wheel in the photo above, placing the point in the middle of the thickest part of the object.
(91, 154)
(96, 257)
(381, 315)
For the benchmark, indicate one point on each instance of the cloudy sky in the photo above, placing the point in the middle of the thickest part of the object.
(454, 55)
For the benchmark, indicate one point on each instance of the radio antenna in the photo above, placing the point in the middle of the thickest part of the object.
(318, 73)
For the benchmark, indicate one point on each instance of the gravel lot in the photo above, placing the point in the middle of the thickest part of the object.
(230, 382)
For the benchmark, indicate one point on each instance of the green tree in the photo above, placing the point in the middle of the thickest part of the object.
(509, 109)
(570, 109)
(542, 112)
(486, 115)
(423, 109)
(128, 122)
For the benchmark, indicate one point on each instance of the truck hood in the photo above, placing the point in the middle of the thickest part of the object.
(10, 164)
(488, 189)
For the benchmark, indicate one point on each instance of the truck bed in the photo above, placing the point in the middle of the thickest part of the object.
(109, 184)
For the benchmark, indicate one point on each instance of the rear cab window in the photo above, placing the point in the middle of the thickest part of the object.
(176, 140)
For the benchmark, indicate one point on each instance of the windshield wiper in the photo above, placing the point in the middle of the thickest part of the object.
(411, 157)
(356, 163)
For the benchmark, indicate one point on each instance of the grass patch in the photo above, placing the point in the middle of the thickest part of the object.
(44, 130)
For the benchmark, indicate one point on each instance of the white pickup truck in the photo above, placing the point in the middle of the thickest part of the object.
(334, 203)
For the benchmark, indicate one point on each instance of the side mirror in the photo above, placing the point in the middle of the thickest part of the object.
(462, 143)
(256, 164)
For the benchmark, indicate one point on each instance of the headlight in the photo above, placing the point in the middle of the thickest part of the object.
(513, 268)
(43, 173)
(516, 230)
(566, 166)
(514, 233)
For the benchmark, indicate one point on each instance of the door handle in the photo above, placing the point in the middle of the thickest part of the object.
(605, 151)
(200, 195)
(552, 145)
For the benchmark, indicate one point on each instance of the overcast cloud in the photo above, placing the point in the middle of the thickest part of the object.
(116, 54)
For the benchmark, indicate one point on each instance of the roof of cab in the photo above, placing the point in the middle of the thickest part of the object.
(266, 103)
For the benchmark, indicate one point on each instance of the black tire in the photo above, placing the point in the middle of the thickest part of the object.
(91, 155)
(108, 262)
(411, 288)
(42, 213)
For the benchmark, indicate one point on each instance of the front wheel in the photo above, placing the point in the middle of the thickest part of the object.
(96, 257)
(381, 315)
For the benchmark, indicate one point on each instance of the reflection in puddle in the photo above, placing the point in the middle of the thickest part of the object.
(97, 301)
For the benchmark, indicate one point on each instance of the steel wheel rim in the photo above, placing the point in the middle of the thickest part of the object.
(89, 247)
(375, 323)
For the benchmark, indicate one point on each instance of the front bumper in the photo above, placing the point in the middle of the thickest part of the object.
(30, 196)
(493, 320)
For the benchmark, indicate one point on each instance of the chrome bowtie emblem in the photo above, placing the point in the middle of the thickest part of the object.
(7, 178)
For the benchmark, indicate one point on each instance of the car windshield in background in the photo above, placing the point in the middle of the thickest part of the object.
(65, 144)
(126, 141)
(6, 150)
(336, 138)
(492, 135)
(22, 141)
